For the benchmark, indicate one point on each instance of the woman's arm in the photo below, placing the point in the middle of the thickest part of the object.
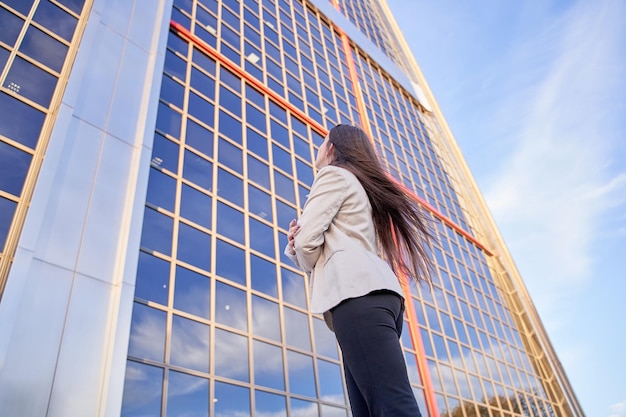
(328, 193)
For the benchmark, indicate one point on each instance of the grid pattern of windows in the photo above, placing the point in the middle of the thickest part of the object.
(475, 353)
(366, 16)
(220, 323)
(35, 38)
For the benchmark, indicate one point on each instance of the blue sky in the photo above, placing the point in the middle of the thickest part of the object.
(535, 94)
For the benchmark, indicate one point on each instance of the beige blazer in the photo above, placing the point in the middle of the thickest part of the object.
(336, 243)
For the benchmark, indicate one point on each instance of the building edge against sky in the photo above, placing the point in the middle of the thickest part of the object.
(71, 276)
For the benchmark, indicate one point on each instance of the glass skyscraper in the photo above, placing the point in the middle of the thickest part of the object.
(152, 154)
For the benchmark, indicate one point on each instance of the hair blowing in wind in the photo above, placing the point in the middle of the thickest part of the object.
(401, 227)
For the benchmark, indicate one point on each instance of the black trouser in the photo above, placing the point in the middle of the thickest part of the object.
(368, 330)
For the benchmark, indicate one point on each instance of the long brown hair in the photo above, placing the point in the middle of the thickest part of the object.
(401, 227)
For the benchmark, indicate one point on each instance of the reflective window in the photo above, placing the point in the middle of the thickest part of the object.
(192, 293)
(153, 277)
(194, 246)
(55, 19)
(230, 187)
(231, 156)
(331, 386)
(161, 190)
(7, 210)
(142, 390)
(231, 400)
(187, 395)
(230, 306)
(300, 371)
(261, 237)
(189, 345)
(231, 355)
(270, 404)
(268, 365)
(199, 137)
(230, 262)
(44, 48)
(196, 206)
(293, 288)
(265, 318)
(198, 170)
(25, 122)
(11, 27)
(157, 231)
(297, 329)
(147, 333)
(230, 222)
(14, 168)
(256, 143)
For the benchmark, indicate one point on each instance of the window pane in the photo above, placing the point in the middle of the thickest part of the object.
(268, 365)
(325, 342)
(230, 101)
(153, 276)
(201, 109)
(192, 292)
(157, 231)
(263, 276)
(194, 246)
(168, 120)
(293, 288)
(284, 214)
(199, 137)
(270, 404)
(258, 172)
(7, 210)
(284, 187)
(230, 223)
(165, 154)
(231, 306)
(202, 82)
(230, 187)
(190, 344)
(196, 206)
(142, 390)
(24, 125)
(198, 170)
(55, 19)
(265, 318)
(161, 190)
(230, 127)
(231, 400)
(259, 203)
(187, 395)
(306, 408)
(172, 92)
(300, 371)
(44, 48)
(261, 237)
(11, 27)
(14, 164)
(257, 143)
(147, 333)
(331, 385)
(297, 329)
(231, 355)
(231, 156)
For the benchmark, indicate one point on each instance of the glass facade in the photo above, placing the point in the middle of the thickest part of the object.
(35, 43)
(210, 317)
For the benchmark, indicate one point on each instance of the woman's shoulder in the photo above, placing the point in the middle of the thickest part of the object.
(334, 170)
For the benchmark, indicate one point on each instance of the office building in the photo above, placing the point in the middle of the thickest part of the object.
(152, 154)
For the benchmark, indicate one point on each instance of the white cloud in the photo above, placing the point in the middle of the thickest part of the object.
(552, 194)
(618, 409)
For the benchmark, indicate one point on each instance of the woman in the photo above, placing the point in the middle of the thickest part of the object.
(353, 213)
